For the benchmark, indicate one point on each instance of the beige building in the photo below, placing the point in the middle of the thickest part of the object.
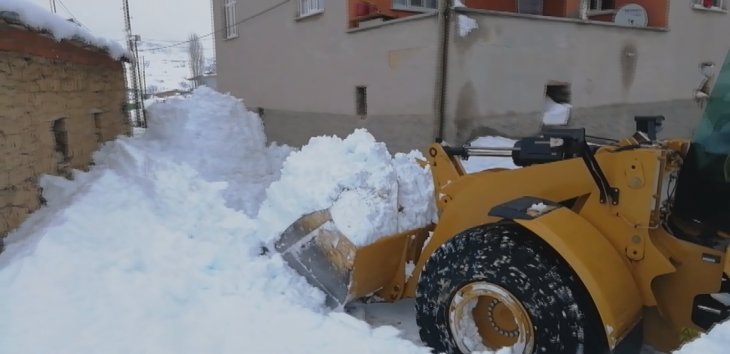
(403, 70)
(58, 101)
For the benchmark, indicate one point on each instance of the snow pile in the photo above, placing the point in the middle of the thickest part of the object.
(219, 137)
(142, 255)
(465, 23)
(501, 351)
(370, 193)
(556, 113)
(716, 340)
(39, 18)
(476, 164)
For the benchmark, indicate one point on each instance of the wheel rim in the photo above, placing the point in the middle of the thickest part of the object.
(485, 316)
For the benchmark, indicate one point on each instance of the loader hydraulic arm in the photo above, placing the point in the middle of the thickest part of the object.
(552, 145)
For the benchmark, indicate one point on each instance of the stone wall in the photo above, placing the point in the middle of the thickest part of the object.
(58, 102)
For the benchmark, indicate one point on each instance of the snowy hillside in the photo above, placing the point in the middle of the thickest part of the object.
(168, 68)
(158, 248)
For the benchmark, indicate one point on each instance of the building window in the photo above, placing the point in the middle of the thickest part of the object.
(602, 5)
(310, 7)
(415, 5)
(709, 4)
(230, 19)
(557, 104)
(98, 125)
(61, 148)
(361, 100)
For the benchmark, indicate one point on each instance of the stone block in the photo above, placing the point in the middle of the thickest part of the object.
(13, 216)
(20, 174)
(11, 142)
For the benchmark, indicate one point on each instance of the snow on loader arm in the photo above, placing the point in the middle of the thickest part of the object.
(315, 248)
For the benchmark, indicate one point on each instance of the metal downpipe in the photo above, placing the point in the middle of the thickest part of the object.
(442, 68)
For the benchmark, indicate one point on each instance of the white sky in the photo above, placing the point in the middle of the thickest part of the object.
(171, 20)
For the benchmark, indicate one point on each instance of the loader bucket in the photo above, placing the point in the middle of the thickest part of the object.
(316, 249)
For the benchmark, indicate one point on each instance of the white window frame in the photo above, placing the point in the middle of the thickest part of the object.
(229, 19)
(407, 5)
(598, 8)
(310, 7)
(719, 5)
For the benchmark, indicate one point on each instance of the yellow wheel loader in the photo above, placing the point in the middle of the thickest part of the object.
(585, 248)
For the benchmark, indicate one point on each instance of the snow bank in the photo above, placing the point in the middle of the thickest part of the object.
(219, 137)
(39, 18)
(556, 113)
(142, 254)
(715, 341)
(370, 193)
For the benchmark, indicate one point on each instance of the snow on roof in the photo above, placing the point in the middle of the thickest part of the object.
(38, 18)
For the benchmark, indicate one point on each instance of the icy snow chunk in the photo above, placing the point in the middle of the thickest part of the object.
(218, 136)
(466, 25)
(410, 267)
(416, 205)
(539, 207)
(370, 193)
(556, 113)
(39, 18)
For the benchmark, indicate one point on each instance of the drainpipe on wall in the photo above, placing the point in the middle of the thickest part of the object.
(583, 9)
(442, 68)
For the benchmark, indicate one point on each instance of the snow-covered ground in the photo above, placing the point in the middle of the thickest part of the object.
(158, 248)
(168, 68)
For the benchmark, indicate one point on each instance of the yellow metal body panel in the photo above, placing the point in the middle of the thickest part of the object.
(603, 271)
(472, 196)
(654, 265)
(698, 271)
(379, 267)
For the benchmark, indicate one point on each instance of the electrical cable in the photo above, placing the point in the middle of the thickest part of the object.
(72, 15)
(221, 29)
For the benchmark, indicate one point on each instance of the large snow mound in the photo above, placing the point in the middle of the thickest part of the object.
(371, 194)
(39, 18)
(146, 253)
(219, 137)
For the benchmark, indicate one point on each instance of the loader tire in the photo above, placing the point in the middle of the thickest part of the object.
(512, 287)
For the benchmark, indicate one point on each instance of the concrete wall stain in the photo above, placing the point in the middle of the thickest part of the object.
(629, 60)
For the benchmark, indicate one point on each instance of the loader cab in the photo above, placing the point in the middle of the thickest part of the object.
(701, 211)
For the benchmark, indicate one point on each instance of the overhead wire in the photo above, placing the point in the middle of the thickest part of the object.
(221, 29)
(72, 15)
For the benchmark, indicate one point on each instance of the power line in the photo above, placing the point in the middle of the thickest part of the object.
(221, 29)
(147, 39)
(72, 15)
